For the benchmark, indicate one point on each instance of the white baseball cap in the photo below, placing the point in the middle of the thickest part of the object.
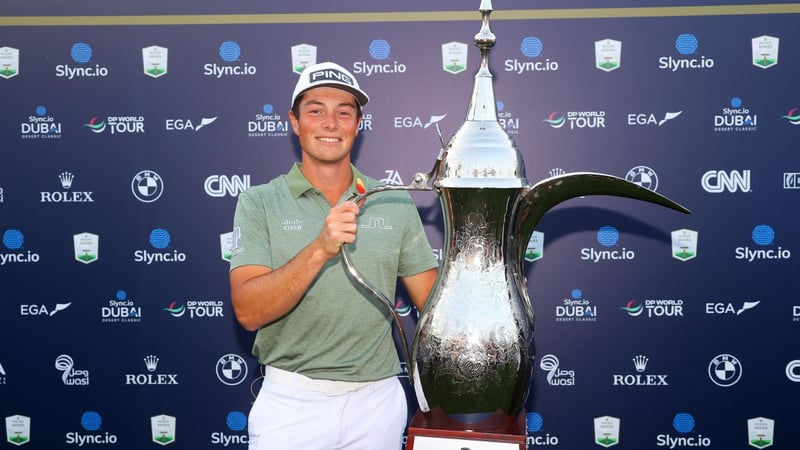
(329, 74)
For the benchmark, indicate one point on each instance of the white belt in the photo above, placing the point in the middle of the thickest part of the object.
(330, 387)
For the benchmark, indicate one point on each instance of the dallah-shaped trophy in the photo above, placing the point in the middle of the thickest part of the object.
(471, 362)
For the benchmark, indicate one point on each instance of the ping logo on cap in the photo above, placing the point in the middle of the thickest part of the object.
(330, 75)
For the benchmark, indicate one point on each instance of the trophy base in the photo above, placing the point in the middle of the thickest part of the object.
(424, 434)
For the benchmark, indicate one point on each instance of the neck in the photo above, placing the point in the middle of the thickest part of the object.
(332, 180)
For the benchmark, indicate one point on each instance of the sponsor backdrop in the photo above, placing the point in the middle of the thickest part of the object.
(127, 135)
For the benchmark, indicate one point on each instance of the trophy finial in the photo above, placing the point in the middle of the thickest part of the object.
(482, 105)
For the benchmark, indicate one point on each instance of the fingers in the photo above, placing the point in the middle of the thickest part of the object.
(340, 227)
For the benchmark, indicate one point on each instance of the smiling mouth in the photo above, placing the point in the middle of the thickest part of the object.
(328, 139)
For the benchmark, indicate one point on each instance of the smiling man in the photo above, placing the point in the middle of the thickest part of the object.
(329, 359)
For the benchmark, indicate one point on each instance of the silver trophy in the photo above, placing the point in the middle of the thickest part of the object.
(471, 361)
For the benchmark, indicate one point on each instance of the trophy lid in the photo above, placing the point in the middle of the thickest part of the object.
(481, 153)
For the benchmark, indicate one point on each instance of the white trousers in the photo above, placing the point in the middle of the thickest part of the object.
(290, 414)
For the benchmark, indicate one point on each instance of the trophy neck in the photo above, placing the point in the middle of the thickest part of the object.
(481, 153)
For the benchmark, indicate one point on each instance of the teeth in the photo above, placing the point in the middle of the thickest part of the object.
(328, 139)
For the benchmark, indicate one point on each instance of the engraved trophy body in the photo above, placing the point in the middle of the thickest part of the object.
(471, 361)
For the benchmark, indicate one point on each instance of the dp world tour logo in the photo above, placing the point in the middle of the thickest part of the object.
(555, 120)
(793, 116)
(96, 125)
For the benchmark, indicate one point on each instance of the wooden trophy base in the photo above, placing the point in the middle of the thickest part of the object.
(423, 436)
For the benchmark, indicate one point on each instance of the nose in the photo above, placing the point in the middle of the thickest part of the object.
(329, 122)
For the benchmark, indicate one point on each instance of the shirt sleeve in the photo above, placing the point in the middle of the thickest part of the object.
(250, 232)
(416, 254)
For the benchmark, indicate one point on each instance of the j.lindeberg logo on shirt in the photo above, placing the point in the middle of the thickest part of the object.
(292, 224)
(378, 223)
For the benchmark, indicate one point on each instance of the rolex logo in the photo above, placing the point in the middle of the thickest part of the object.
(65, 196)
(150, 378)
(151, 362)
(640, 362)
(640, 379)
(66, 179)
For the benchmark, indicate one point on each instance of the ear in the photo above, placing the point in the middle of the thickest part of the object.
(294, 121)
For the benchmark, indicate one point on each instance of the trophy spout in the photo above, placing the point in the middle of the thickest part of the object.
(549, 192)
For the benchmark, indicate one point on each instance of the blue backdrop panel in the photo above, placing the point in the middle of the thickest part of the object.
(133, 324)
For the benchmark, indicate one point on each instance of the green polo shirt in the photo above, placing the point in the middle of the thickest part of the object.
(337, 331)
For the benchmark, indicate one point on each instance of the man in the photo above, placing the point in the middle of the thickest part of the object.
(329, 359)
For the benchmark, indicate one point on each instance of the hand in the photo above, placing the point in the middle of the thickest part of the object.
(340, 228)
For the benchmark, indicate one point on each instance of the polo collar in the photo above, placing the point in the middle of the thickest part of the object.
(299, 184)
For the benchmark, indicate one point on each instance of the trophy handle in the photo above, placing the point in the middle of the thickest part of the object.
(420, 183)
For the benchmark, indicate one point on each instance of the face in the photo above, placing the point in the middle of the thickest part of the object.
(327, 125)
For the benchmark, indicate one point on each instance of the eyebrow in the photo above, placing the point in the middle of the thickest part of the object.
(319, 103)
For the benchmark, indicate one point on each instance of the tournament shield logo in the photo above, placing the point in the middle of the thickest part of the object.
(163, 429)
(684, 244)
(303, 55)
(608, 54)
(606, 431)
(18, 429)
(454, 57)
(535, 249)
(86, 247)
(760, 432)
(226, 246)
(765, 51)
(154, 60)
(9, 62)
